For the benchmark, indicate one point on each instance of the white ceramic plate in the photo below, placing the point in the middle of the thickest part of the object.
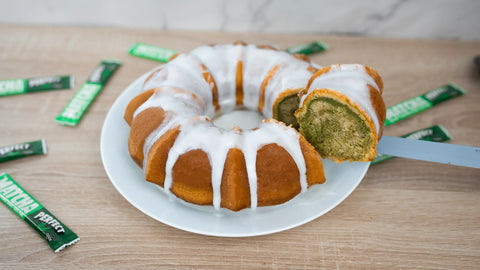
(129, 180)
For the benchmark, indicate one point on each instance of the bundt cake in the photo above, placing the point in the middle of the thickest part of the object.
(172, 136)
(342, 112)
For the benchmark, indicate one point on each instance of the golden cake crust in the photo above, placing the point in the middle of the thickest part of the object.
(235, 188)
(315, 173)
(157, 157)
(135, 103)
(275, 184)
(142, 126)
(192, 178)
(374, 74)
(379, 107)
(239, 84)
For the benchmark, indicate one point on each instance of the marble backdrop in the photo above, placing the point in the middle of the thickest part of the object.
(430, 19)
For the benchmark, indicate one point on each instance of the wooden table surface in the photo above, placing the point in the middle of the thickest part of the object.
(405, 214)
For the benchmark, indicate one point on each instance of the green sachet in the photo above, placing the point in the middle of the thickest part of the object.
(151, 52)
(435, 133)
(14, 151)
(423, 102)
(38, 217)
(22, 86)
(310, 48)
(78, 105)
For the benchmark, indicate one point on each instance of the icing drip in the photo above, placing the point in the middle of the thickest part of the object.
(174, 100)
(185, 72)
(271, 132)
(223, 71)
(257, 64)
(153, 80)
(351, 80)
(292, 77)
(178, 105)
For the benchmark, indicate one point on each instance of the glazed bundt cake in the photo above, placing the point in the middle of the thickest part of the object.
(172, 136)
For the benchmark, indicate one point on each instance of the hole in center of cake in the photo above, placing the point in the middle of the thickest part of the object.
(242, 118)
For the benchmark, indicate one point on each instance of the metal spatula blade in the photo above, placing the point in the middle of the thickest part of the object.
(454, 154)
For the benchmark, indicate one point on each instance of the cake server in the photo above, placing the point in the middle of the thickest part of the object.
(454, 154)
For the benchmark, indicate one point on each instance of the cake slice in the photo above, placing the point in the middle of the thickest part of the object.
(342, 112)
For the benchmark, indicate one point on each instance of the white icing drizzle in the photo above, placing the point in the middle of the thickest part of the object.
(174, 100)
(221, 61)
(257, 64)
(183, 110)
(271, 132)
(185, 72)
(293, 77)
(153, 79)
(351, 80)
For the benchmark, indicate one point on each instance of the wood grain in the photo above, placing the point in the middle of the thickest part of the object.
(404, 215)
